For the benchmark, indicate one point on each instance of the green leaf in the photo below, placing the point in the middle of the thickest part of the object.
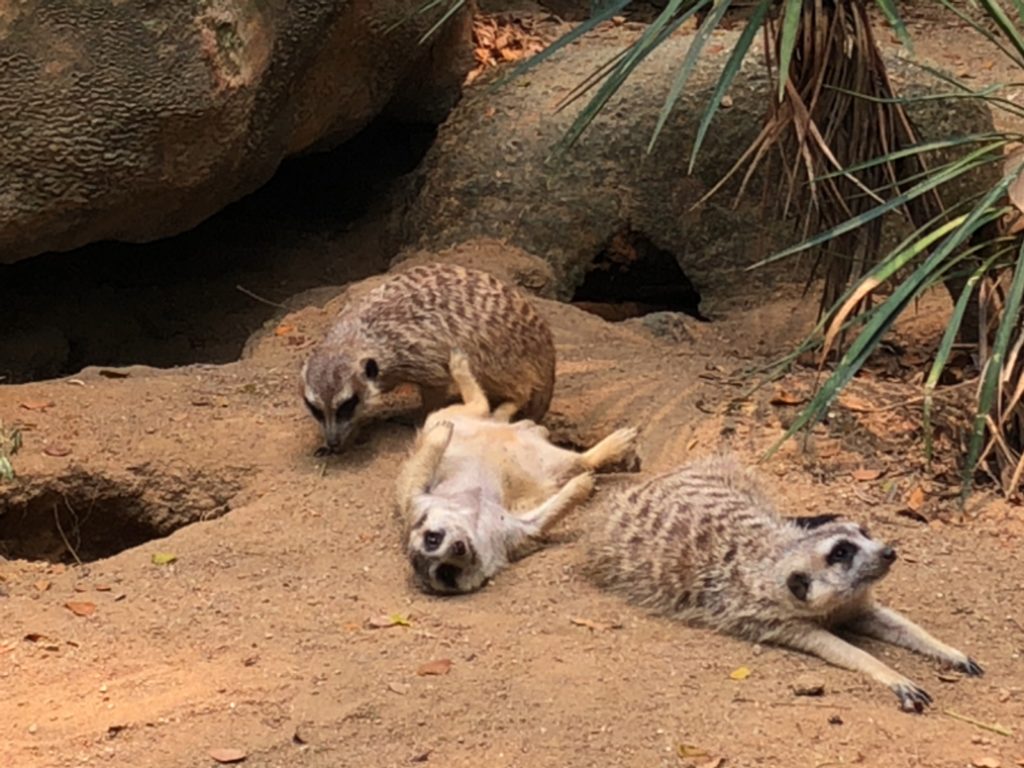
(692, 54)
(163, 558)
(888, 8)
(732, 68)
(998, 15)
(790, 25)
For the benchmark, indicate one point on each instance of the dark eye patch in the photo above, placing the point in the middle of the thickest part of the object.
(317, 412)
(815, 521)
(842, 552)
(347, 408)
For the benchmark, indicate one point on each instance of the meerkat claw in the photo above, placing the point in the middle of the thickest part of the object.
(971, 668)
(912, 698)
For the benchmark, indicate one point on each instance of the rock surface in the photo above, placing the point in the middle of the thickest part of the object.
(492, 173)
(134, 121)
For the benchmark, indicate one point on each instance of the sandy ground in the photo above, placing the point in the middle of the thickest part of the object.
(257, 637)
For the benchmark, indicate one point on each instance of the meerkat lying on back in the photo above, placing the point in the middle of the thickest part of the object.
(704, 544)
(478, 490)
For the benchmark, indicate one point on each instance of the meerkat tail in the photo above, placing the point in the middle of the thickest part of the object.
(837, 651)
(470, 390)
(610, 449)
(418, 472)
(505, 411)
(892, 627)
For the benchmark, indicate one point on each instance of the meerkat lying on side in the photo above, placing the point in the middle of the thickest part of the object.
(404, 330)
(478, 490)
(705, 545)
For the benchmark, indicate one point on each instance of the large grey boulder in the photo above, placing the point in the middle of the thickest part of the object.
(133, 121)
(491, 171)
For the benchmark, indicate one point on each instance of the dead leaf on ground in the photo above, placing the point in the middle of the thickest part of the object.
(400, 688)
(42, 585)
(228, 755)
(714, 762)
(741, 673)
(595, 626)
(37, 405)
(856, 404)
(102, 587)
(163, 558)
(985, 762)
(784, 397)
(57, 451)
(436, 667)
(864, 474)
(38, 637)
(916, 499)
(689, 750)
(81, 608)
(392, 620)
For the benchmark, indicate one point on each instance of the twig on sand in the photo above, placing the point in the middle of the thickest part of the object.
(1002, 731)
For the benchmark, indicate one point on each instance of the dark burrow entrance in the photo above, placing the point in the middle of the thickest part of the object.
(84, 517)
(190, 298)
(632, 277)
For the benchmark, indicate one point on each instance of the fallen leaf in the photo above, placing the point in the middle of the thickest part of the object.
(38, 637)
(102, 587)
(742, 673)
(422, 757)
(594, 626)
(81, 608)
(163, 558)
(37, 405)
(854, 403)
(42, 585)
(916, 499)
(437, 667)
(57, 450)
(400, 688)
(228, 755)
(688, 750)
(393, 620)
(714, 762)
(985, 762)
(782, 397)
(283, 330)
(863, 474)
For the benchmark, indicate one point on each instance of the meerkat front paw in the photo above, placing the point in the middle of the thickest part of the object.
(912, 697)
(439, 434)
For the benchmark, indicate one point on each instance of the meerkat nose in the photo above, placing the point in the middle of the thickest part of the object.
(889, 554)
(459, 548)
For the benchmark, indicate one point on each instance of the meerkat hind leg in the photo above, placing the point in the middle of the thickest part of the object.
(823, 644)
(892, 627)
(609, 449)
(505, 411)
(546, 515)
(470, 390)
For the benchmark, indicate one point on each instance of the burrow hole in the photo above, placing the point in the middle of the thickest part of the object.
(631, 277)
(82, 518)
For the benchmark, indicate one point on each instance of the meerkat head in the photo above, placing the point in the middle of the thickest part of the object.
(338, 387)
(831, 565)
(442, 547)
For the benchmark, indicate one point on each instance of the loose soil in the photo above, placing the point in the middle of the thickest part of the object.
(244, 621)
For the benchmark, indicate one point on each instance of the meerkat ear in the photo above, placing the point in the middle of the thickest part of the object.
(370, 368)
(816, 521)
(799, 584)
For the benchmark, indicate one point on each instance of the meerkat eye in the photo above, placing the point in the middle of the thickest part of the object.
(370, 369)
(842, 552)
(317, 412)
(432, 540)
(347, 408)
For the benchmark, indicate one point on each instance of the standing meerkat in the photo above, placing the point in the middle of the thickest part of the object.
(478, 491)
(705, 545)
(403, 331)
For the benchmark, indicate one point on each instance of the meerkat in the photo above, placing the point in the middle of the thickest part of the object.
(404, 330)
(704, 544)
(478, 490)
